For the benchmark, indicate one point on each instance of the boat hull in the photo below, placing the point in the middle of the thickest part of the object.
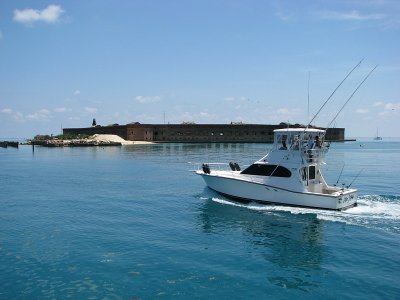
(253, 191)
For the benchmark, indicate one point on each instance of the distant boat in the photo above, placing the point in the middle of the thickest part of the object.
(377, 138)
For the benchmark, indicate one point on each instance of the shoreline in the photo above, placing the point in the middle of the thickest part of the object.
(95, 140)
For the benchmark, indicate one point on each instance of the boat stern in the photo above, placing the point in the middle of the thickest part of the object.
(346, 199)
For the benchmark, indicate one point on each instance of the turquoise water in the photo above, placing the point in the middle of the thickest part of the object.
(133, 222)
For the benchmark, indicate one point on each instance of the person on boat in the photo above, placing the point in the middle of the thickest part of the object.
(310, 143)
(283, 143)
(317, 142)
(295, 144)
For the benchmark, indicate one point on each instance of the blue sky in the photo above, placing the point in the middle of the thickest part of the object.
(63, 63)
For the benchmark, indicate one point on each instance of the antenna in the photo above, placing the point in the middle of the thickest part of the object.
(308, 98)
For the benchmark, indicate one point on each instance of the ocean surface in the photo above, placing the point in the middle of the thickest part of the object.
(134, 222)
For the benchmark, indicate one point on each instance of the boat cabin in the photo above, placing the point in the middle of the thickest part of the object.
(304, 148)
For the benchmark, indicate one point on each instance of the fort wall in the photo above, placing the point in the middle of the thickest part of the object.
(196, 133)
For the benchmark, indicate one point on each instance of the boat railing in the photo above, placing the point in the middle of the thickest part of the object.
(208, 168)
(315, 154)
(216, 166)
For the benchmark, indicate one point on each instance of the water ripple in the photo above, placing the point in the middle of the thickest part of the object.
(374, 211)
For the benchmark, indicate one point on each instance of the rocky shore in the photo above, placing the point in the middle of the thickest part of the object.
(75, 143)
(95, 140)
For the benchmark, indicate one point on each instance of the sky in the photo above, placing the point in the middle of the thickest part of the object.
(63, 63)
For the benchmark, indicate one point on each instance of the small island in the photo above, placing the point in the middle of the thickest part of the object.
(78, 140)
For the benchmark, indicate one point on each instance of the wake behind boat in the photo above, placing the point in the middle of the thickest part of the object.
(289, 174)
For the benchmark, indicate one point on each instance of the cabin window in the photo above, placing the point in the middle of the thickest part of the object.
(267, 170)
(303, 172)
(311, 172)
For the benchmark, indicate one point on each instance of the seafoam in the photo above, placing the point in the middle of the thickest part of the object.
(373, 211)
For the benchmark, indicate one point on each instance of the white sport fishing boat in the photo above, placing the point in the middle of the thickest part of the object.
(290, 174)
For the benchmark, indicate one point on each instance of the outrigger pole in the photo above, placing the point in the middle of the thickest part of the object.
(331, 95)
(351, 96)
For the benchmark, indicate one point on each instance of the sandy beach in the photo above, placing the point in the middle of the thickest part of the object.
(117, 139)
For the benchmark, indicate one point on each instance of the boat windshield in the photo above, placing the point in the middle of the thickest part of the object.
(267, 170)
(298, 139)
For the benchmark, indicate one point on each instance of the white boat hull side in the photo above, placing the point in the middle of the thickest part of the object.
(264, 193)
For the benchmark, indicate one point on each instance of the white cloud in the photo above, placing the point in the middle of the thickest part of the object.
(19, 116)
(91, 110)
(34, 116)
(50, 14)
(353, 15)
(284, 114)
(7, 110)
(362, 111)
(388, 108)
(187, 117)
(60, 109)
(205, 114)
(44, 111)
(229, 99)
(283, 111)
(43, 114)
(77, 92)
(392, 106)
(287, 111)
(282, 16)
(148, 99)
(144, 118)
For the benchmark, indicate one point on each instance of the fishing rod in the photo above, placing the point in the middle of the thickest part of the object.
(340, 175)
(334, 91)
(355, 178)
(351, 96)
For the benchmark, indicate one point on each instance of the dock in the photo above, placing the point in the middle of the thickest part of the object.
(5, 144)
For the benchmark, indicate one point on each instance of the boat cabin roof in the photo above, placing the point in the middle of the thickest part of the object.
(299, 130)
